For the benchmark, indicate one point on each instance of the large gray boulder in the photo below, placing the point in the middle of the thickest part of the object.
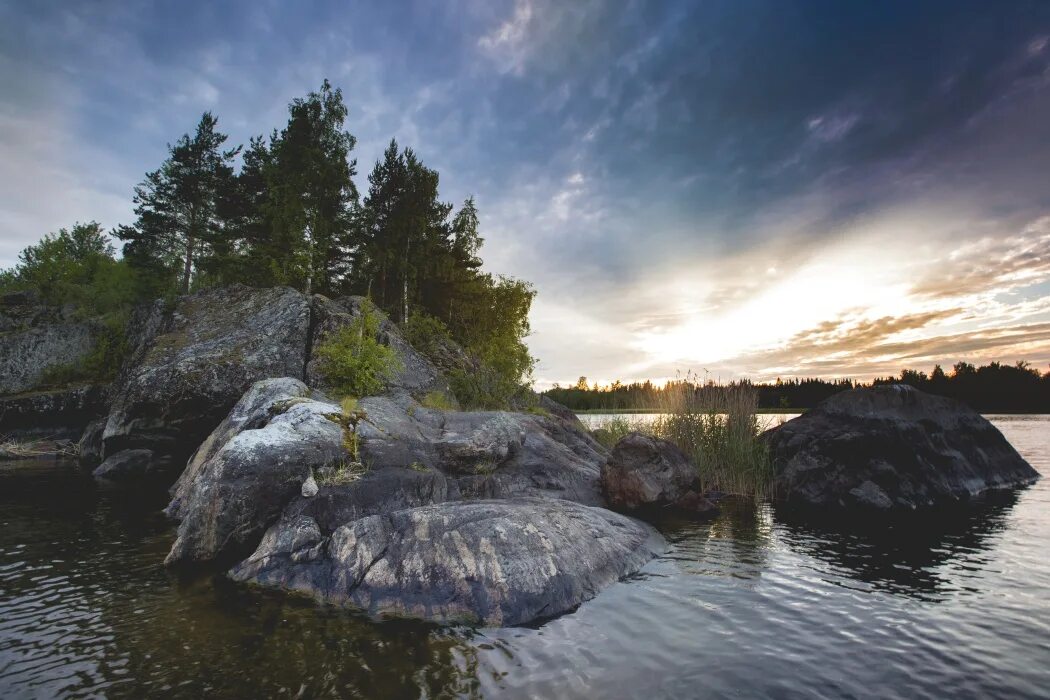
(646, 472)
(891, 447)
(190, 364)
(247, 474)
(415, 374)
(490, 454)
(488, 562)
(385, 454)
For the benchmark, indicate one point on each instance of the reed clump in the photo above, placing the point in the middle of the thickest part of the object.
(610, 430)
(717, 425)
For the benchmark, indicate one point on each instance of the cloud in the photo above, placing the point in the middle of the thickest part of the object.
(992, 264)
(507, 44)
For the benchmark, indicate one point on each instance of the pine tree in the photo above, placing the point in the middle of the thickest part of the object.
(312, 198)
(177, 207)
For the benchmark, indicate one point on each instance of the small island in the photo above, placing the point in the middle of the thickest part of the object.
(524, 349)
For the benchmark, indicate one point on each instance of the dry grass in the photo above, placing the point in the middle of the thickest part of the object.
(43, 447)
(717, 425)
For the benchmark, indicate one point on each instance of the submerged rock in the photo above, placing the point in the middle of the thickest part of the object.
(645, 471)
(191, 364)
(891, 447)
(489, 562)
(256, 465)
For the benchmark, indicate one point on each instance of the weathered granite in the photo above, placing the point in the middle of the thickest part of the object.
(647, 472)
(507, 562)
(250, 473)
(190, 364)
(891, 447)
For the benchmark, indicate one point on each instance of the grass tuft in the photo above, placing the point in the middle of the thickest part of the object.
(717, 425)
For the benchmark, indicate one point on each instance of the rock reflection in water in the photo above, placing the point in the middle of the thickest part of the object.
(924, 553)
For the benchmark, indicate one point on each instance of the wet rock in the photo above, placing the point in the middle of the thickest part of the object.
(489, 562)
(126, 465)
(90, 447)
(190, 364)
(242, 486)
(645, 471)
(416, 375)
(891, 447)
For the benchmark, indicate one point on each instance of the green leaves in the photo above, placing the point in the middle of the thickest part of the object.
(353, 361)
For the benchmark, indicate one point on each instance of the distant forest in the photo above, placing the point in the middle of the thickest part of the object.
(992, 388)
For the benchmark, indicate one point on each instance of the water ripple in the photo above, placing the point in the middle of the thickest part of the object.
(752, 604)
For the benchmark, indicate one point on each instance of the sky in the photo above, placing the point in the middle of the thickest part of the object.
(759, 188)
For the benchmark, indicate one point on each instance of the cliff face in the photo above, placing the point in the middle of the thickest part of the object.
(35, 339)
(39, 343)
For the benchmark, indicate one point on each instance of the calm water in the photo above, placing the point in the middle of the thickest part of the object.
(748, 605)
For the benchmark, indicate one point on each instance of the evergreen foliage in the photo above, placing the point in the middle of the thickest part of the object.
(292, 216)
(993, 388)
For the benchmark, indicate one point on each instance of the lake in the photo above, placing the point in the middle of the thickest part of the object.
(955, 604)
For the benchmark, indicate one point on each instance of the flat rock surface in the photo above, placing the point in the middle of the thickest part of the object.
(891, 447)
(493, 563)
(490, 454)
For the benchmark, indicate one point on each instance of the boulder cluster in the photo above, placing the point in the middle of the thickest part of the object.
(392, 506)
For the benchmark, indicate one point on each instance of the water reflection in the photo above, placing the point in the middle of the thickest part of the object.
(735, 543)
(86, 608)
(928, 555)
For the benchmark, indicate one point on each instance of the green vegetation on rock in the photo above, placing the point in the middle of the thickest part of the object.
(353, 361)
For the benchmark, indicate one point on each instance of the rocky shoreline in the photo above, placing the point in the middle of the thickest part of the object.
(397, 508)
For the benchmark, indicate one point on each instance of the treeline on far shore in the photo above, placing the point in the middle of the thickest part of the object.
(991, 388)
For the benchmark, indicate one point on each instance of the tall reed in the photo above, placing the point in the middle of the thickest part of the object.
(717, 425)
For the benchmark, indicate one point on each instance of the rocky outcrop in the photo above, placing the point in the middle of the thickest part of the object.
(127, 465)
(190, 364)
(253, 467)
(388, 453)
(36, 341)
(891, 447)
(27, 355)
(420, 480)
(62, 413)
(490, 454)
(415, 374)
(489, 562)
(647, 472)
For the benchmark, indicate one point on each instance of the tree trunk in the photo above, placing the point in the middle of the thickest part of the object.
(404, 285)
(187, 269)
